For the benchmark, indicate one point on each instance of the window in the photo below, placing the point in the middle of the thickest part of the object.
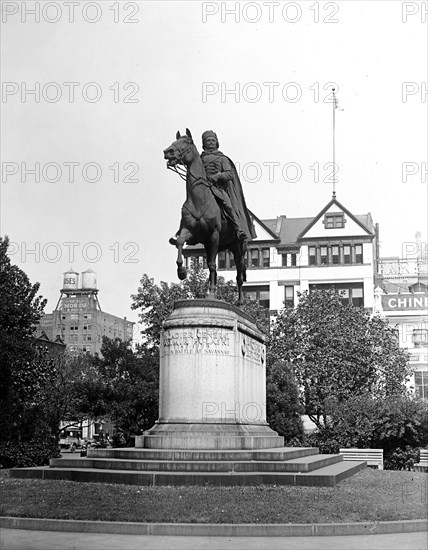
(421, 384)
(197, 260)
(420, 337)
(266, 257)
(222, 260)
(289, 259)
(264, 298)
(74, 316)
(87, 337)
(289, 296)
(87, 348)
(254, 258)
(88, 316)
(324, 255)
(231, 260)
(312, 255)
(357, 297)
(74, 338)
(74, 327)
(258, 257)
(334, 221)
(358, 253)
(63, 317)
(347, 259)
(344, 295)
(335, 255)
(258, 294)
(350, 293)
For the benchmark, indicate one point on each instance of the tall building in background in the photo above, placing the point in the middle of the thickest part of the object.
(78, 319)
(401, 295)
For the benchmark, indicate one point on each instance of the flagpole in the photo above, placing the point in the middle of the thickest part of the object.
(334, 143)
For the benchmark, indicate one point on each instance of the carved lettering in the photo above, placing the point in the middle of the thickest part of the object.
(197, 340)
(251, 349)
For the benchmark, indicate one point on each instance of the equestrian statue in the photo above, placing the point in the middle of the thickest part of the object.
(214, 213)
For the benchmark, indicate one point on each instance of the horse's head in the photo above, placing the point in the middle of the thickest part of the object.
(180, 151)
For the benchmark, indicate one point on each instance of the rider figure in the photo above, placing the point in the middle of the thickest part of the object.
(221, 172)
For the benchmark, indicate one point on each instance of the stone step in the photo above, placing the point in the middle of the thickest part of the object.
(303, 464)
(230, 455)
(326, 476)
(226, 441)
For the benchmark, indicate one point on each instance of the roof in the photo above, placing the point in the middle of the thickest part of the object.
(367, 226)
(288, 230)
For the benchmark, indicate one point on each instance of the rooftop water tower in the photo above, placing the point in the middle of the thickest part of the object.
(70, 280)
(74, 298)
(89, 280)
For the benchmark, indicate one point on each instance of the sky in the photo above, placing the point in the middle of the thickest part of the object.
(93, 92)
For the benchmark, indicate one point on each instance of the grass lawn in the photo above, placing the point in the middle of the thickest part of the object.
(370, 495)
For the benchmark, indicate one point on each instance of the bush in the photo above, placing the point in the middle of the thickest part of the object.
(325, 441)
(283, 407)
(25, 455)
(396, 424)
(402, 459)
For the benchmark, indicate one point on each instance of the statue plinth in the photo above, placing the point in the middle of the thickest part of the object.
(212, 391)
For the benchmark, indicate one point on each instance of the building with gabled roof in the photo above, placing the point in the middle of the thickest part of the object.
(333, 249)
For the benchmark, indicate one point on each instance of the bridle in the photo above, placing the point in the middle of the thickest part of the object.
(184, 171)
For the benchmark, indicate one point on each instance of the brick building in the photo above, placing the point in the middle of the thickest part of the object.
(78, 319)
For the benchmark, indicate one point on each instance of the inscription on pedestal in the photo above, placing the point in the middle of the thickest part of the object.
(251, 349)
(197, 340)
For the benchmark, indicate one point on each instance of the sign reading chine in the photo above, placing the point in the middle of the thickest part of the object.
(404, 302)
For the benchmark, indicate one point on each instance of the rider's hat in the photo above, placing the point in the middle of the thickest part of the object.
(208, 134)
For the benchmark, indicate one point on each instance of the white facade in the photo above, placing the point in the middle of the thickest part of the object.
(292, 255)
(402, 297)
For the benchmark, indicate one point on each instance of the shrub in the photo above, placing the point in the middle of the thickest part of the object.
(396, 424)
(402, 459)
(24, 455)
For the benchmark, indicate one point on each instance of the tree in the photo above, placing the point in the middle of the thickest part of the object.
(398, 424)
(156, 302)
(339, 351)
(130, 383)
(73, 393)
(24, 369)
(284, 409)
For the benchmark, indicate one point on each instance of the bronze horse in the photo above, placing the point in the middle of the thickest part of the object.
(202, 219)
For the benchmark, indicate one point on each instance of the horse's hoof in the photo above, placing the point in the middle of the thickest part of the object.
(182, 273)
(173, 241)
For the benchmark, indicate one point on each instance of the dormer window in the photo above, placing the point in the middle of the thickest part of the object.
(334, 220)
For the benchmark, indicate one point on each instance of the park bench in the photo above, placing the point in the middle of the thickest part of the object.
(422, 465)
(373, 457)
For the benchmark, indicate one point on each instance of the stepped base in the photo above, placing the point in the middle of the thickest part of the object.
(151, 467)
(220, 435)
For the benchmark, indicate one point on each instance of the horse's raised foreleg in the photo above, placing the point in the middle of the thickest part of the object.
(211, 252)
(181, 239)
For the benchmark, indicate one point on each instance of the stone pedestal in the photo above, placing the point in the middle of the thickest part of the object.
(212, 392)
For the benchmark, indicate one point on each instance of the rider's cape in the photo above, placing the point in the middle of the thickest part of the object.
(236, 195)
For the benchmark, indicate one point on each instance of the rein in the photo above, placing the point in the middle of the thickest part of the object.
(183, 173)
